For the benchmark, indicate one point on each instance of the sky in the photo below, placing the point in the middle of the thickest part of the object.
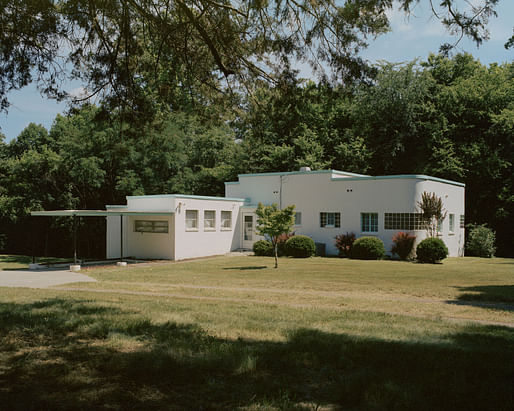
(411, 38)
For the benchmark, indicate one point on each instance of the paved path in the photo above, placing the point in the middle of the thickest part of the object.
(40, 278)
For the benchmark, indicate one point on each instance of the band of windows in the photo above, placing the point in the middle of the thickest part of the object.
(403, 221)
(151, 226)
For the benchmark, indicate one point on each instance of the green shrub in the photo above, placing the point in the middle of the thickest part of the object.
(403, 243)
(263, 248)
(344, 243)
(481, 241)
(431, 250)
(368, 248)
(300, 246)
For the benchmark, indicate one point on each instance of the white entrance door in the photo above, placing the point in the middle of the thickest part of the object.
(248, 230)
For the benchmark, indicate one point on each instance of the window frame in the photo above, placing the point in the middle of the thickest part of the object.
(451, 224)
(298, 218)
(369, 222)
(222, 220)
(324, 218)
(152, 224)
(195, 228)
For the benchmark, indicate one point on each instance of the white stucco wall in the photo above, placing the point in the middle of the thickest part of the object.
(202, 242)
(317, 192)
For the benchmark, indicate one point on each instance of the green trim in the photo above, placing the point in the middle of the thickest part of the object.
(283, 173)
(188, 196)
(404, 176)
(96, 213)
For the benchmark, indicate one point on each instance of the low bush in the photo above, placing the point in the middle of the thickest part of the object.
(263, 248)
(403, 244)
(481, 241)
(344, 243)
(300, 246)
(431, 250)
(368, 248)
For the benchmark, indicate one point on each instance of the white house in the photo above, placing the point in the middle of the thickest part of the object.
(328, 202)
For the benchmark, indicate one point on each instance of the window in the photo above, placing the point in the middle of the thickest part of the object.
(461, 221)
(192, 220)
(403, 221)
(226, 220)
(369, 222)
(451, 220)
(157, 226)
(209, 220)
(330, 219)
(298, 218)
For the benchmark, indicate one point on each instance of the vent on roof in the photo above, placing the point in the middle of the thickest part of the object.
(303, 169)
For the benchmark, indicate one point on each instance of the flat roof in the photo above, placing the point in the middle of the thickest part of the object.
(194, 197)
(400, 176)
(96, 213)
(282, 173)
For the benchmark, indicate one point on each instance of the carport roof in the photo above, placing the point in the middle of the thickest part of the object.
(97, 213)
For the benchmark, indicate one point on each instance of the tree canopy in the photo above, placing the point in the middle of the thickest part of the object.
(143, 55)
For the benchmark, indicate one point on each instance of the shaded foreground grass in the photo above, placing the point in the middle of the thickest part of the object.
(220, 334)
(68, 353)
(10, 262)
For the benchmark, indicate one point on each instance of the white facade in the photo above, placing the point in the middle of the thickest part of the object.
(170, 235)
(328, 203)
(350, 198)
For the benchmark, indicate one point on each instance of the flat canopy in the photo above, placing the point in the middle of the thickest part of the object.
(96, 213)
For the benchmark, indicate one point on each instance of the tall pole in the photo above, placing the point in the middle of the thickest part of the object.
(121, 237)
(74, 239)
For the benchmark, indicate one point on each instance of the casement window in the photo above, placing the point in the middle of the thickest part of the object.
(451, 222)
(191, 220)
(369, 222)
(403, 221)
(330, 220)
(209, 220)
(461, 225)
(298, 218)
(226, 220)
(151, 226)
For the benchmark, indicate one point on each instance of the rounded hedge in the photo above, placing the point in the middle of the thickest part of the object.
(368, 248)
(431, 250)
(480, 241)
(300, 246)
(263, 248)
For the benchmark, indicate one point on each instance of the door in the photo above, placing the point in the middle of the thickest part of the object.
(248, 230)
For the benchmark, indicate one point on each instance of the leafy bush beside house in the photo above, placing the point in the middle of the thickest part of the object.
(300, 246)
(368, 248)
(431, 250)
(344, 243)
(481, 241)
(403, 244)
(263, 248)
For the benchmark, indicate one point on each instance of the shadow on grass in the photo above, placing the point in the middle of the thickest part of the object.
(498, 297)
(249, 267)
(76, 354)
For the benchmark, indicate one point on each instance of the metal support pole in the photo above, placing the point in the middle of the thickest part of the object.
(75, 239)
(121, 237)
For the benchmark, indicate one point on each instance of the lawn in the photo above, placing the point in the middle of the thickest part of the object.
(234, 333)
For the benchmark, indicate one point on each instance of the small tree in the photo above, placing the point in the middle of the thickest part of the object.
(273, 222)
(432, 212)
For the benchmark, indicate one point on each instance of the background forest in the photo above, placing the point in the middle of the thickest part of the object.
(451, 118)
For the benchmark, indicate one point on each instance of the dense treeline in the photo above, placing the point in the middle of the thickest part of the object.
(450, 118)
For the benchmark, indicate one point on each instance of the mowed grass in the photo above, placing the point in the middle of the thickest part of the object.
(234, 333)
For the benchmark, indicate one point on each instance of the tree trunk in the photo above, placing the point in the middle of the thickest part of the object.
(275, 248)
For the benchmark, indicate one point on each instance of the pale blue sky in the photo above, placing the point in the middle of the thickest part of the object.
(410, 38)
